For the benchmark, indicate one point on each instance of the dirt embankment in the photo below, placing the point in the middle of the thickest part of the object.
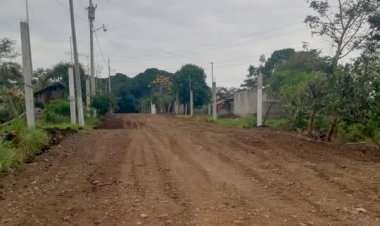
(156, 170)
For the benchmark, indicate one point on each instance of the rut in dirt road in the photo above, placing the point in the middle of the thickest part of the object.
(159, 170)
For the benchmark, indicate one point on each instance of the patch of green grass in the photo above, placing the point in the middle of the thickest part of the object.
(276, 122)
(239, 122)
(8, 156)
(30, 141)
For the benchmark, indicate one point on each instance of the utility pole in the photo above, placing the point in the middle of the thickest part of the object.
(191, 105)
(71, 51)
(260, 95)
(109, 76)
(88, 86)
(214, 110)
(27, 10)
(109, 83)
(27, 72)
(91, 17)
(72, 96)
(76, 68)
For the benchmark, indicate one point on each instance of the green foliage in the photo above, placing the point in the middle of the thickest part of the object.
(278, 122)
(7, 156)
(239, 122)
(200, 89)
(103, 102)
(30, 141)
(352, 133)
(57, 111)
(5, 114)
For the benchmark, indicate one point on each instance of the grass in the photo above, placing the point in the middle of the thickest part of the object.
(30, 141)
(239, 122)
(276, 122)
(8, 156)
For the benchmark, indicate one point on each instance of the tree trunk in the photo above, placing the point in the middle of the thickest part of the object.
(310, 126)
(332, 129)
(267, 113)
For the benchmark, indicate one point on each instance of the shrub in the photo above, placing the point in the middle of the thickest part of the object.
(57, 111)
(103, 102)
(30, 141)
(7, 156)
(351, 133)
(5, 114)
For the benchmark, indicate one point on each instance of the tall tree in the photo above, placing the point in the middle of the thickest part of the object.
(200, 89)
(346, 25)
(277, 58)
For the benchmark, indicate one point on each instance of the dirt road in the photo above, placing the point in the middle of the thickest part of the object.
(157, 170)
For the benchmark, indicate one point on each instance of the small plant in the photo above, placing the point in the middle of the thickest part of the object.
(57, 111)
(30, 141)
(103, 102)
(7, 156)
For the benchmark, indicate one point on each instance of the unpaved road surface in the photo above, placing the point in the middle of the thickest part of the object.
(158, 170)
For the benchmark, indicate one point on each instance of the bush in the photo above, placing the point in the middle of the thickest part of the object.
(7, 156)
(5, 115)
(351, 133)
(57, 111)
(103, 102)
(30, 141)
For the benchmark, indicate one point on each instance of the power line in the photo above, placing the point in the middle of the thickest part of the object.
(101, 51)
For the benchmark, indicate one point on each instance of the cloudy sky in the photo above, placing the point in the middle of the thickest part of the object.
(165, 34)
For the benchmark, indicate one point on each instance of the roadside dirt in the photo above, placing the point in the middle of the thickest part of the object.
(157, 170)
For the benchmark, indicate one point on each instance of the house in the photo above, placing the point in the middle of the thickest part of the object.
(52, 92)
(245, 104)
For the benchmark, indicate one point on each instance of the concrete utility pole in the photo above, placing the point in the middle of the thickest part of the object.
(214, 110)
(71, 51)
(91, 17)
(27, 72)
(76, 68)
(27, 10)
(109, 76)
(191, 105)
(73, 111)
(259, 100)
(259, 120)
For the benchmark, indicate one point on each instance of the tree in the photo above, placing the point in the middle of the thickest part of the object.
(345, 25)
(7, 50)
(277, 58)
(301, 86)
(200, 89)
(250, 82)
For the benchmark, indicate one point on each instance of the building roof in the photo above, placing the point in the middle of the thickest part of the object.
(53, 86)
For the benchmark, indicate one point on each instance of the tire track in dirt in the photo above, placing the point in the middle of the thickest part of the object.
(329, 212)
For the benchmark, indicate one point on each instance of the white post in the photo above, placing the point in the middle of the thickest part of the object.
(91, 18)
(72, 96)
(214, 109)
(76, 67)
(259, 100)
(88, 93)
(27, 71)
(191, 103)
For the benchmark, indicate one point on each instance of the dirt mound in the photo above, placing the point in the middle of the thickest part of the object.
(110, 122)
(56, 135)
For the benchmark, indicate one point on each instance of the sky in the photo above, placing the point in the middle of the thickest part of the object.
(164, 34)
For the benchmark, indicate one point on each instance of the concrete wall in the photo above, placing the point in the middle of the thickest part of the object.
(245, 104)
